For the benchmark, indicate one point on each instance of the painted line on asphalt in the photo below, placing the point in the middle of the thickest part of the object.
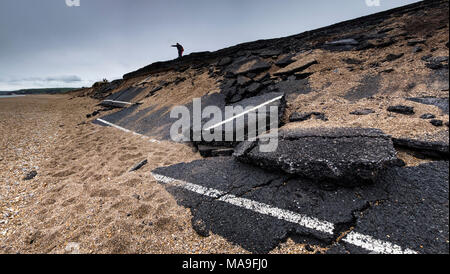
(244, 112)
(126, 130)
(377, 246)
(146, 80)
(367, 242)
(119, 102)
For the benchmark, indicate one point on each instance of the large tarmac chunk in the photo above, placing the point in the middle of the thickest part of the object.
(249, 114)
(258, 209)
(345, 156)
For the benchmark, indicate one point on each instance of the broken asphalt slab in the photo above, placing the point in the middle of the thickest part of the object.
(259, 107)
(424, 148)
(154, 120)
(400, 109)
(415, 214)
(341, 45)
(441, 103)
(345, 156)
(258, 209)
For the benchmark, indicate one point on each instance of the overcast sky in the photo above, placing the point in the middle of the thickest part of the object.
(45, 43)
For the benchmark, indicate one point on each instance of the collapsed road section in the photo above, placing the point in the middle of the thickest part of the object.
(405, 212)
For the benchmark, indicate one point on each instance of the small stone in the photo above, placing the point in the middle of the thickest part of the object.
(309, 248)
(352, 61)
(417, 49)
(320, 116)
(30, 175)
(365, 111)
(139, 165)
(300, 117)
(426, 57)
(437, 123)
(415, 42)
(406, 110)
(427, 116)
(393, 57)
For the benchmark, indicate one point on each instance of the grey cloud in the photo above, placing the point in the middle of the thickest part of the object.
(62, 79)
(65, 79)
(108, 38)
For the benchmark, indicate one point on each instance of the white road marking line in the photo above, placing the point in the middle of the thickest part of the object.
(354, 238)
(377, 246)
(243, 113)
(119, 102)
(258, 207)
(146, 80)
(126, 130)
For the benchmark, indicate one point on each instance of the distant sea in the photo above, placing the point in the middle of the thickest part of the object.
(10, 96)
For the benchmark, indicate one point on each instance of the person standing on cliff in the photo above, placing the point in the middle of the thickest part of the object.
(180, 49)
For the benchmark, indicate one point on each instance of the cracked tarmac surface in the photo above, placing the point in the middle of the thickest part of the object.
(407, 208)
